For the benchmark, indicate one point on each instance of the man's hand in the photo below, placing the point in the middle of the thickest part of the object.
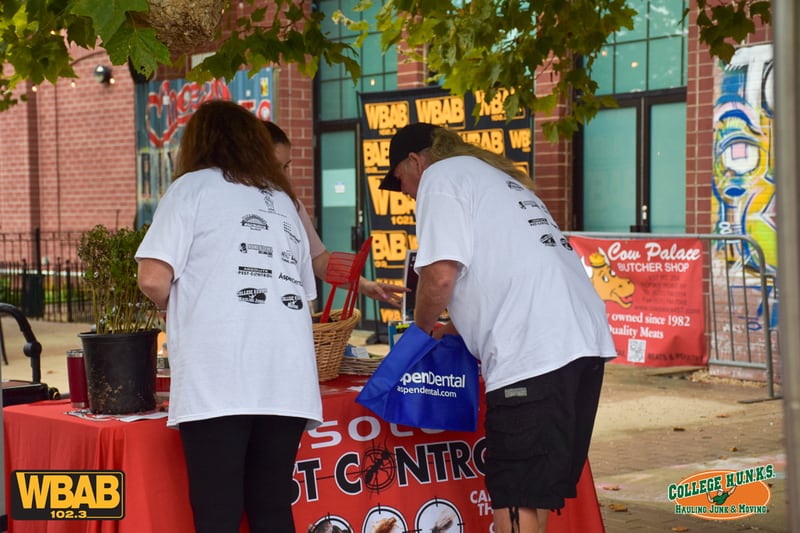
(440, 330)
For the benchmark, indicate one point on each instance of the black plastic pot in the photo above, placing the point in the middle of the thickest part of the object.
(121, 371)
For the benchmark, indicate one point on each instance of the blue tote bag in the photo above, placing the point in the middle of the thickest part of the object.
(425, 383)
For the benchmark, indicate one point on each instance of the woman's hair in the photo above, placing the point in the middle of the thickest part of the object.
(277, 135)
(448, 143)
(226, 136)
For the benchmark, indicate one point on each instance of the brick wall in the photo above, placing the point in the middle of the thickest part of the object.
(409, 75)
(295, 114)
(699, 137)
(68, 153)
(18, 171)
(552, 162)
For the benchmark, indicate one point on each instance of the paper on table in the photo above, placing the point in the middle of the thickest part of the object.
(144, 416)
(86, 415)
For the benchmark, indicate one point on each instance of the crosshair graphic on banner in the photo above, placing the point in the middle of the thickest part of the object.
(439, 516)
(383, 519)
(379, 470)
(331, 524)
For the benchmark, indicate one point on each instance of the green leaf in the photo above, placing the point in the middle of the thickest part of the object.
(147, 52)
(108, 15)
(762, 9)
(258, 15)
(80, 31)
(140, 45)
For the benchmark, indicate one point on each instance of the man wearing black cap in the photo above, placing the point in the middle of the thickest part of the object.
(491, 254)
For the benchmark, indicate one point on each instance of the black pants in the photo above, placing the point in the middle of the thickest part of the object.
(242, 463)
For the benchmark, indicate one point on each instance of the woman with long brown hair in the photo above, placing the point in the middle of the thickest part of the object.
(227, 259)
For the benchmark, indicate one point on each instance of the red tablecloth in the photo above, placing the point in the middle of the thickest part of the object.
(354, 470)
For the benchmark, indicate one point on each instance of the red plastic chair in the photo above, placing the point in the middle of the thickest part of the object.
(355, 278)
(337, 274)
(344, 269)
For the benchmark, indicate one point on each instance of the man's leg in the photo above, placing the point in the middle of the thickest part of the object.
(587, 399)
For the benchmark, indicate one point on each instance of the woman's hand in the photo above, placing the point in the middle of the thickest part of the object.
(380, 291)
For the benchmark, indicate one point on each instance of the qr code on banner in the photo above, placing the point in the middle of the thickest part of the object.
(636, 350)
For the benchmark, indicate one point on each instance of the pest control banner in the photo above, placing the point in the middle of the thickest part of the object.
(653, 290)
(357, 473)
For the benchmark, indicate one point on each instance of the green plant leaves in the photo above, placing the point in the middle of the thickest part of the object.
(724, 26)
(110, 272)
(484, 45)
(108, 15)
(489, 45)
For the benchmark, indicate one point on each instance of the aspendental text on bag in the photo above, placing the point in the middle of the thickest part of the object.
(430, 378)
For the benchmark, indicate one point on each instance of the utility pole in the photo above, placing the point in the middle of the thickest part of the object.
(787, 172)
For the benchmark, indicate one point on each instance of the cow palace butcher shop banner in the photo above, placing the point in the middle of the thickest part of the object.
(653, 291)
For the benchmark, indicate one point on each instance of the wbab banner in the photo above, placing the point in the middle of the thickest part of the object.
(653, 290)
(392, 215)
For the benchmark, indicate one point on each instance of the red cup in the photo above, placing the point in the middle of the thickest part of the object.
(162, 385)
(76, 374)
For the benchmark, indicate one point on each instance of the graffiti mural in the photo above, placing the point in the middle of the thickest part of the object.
(162, 110)
(743, 201)
(744, 182)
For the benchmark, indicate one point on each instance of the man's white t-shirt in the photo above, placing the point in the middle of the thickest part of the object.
(238, 324)
(523, 302)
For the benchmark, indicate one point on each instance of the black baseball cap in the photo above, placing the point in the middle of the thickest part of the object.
(410, 139)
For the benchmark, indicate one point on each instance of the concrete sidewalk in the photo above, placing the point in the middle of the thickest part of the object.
(654, 428)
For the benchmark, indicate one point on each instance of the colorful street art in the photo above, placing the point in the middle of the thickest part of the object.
(743, 201)
(162, 110)
(744, 182)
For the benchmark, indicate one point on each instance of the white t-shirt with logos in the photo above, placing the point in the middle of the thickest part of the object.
(238, 323)
(523, 301)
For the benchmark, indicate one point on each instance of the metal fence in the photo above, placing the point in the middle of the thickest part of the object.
(742, 302)
(40, 273)
(39, 248)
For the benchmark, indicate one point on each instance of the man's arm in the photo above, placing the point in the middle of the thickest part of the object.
(434, 290)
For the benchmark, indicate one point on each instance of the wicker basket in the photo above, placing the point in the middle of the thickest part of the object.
(360, 366)
(330, 341)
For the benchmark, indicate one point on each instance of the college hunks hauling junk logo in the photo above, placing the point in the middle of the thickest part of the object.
(723, 494)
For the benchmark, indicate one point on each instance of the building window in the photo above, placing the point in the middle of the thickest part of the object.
(338, 97)
(649, 57)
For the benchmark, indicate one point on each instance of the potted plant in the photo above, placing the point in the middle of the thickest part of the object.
(120, 354)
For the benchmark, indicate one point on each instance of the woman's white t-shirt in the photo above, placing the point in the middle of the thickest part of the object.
(523, 302)
(238, 324)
